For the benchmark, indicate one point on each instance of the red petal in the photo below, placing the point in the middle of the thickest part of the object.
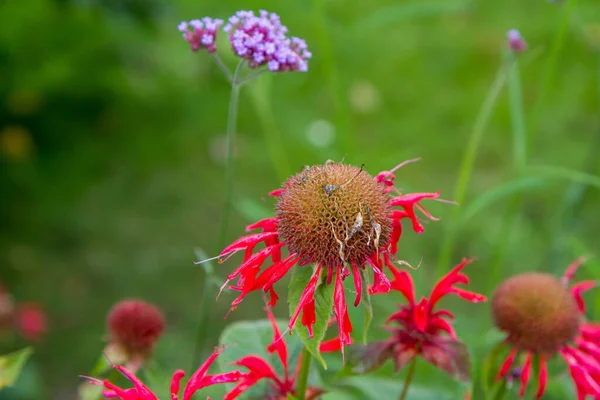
(278, 343)
(341, 312)
(578, 289)
(507, 364)
(357, 283)
(309, 317)
(176, 383)
(525, 374)
(267, 225)
(408, 203)
(403, 283)
(572, 268)
(330, 346)
(543, 379)
(307, 296)
(446, 286)
(142, 391)
(277, 192)
(245, 243)
(421, 314)
(258, 367)
(196, 380)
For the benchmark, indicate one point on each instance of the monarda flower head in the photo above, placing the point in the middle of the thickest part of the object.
(139, 391)
(135, 325)
(282, 386)
(418, 328)
(542, 316)
(336, 217)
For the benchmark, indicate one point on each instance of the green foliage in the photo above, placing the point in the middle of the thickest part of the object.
(323, 309)
(11, 366)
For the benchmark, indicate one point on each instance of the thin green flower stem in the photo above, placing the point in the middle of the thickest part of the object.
(223, 67)
(519, 130)
(251, 76)
(467, 164)
(330, 72)
(229, 157)
(409, 377)
(272, 135)
(547, 78)
(302, 384)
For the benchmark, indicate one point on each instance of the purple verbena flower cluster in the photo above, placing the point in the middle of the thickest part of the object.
(201, 33)
(516, 43)
(262, 40)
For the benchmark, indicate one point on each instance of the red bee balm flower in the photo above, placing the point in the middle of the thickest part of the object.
(542, 316)
(260, 369)
(420, 330)
(139, 391)
(135, 325)
(336, 217)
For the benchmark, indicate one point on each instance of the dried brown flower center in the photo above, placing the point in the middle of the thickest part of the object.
(537, 311)
(332, 214)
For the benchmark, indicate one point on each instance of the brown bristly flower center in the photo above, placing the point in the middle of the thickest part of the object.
(334, 214)
(536, 311)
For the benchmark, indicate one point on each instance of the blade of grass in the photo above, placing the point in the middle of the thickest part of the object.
(467, 163)
(519, 145)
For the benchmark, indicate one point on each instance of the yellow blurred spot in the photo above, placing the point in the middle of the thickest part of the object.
(16, 143)
(23, 102)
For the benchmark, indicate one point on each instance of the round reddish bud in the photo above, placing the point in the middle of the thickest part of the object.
(334, 214)
(537, 312)
(135, 324)
(30, 321)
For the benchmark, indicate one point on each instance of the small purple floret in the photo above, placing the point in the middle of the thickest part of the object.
(262, 41)
(515, 41)
(201, 33)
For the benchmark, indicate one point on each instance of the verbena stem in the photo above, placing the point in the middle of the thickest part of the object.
(468, 161)
(409, 377)
(229, 156)
(302, 383)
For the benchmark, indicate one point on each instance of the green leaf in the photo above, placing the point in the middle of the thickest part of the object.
(366, 300)
(565, 173)
(11, 366)
(246, 338)
(491, 388)
(323, 309)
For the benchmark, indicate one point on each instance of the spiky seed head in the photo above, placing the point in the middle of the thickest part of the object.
(135, 324)
(537, 312)
(334, 214)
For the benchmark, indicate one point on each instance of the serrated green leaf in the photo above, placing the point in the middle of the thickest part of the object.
(246, 338)
(11, 366)
(323, 309)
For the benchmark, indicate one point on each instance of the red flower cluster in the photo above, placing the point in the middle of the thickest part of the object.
(336, 217)
(139, 391)
(420, 329)
(260, 369)
(542, 316)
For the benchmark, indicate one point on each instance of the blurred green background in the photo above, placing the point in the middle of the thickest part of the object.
(112, 143)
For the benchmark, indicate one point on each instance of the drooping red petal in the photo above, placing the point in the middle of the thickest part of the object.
(571, 269)
(341, 312)
(309, 317)
(525, 374)
(306, 297)
(543, 377)
(143, 392)
(403, 283)
(357, 283)
(330, 346)
(176, 383)
(578, 289)
(507, 364)
(278, 344)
